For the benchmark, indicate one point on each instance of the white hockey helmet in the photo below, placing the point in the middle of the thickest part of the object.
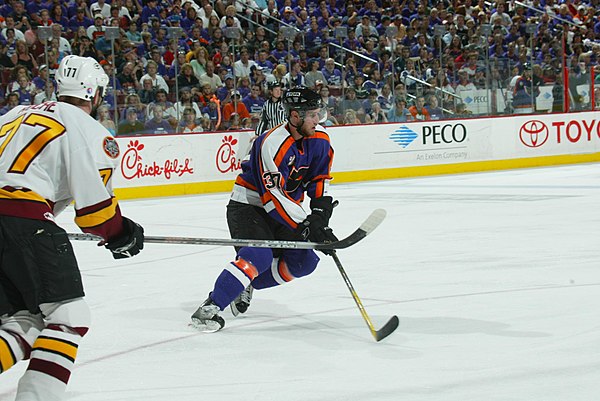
(80, 77)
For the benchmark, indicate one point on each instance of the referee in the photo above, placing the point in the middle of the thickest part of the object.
(272, 113)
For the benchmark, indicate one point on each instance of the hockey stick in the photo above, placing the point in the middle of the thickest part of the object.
(391, 324)
(361, 232)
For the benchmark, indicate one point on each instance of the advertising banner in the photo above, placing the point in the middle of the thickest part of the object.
(210, 162)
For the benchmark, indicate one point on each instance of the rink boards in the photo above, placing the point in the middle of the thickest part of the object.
(178, 164)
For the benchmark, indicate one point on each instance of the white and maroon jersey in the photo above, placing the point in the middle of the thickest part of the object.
(52, 154)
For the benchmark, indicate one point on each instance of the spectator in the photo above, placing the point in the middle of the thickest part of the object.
(418, 110)
(350, 117)
(175, 112)
(242, 66)
(40, 81)
(97, 29)
(243, 86)
(155, 55)
(385, 98)
(350, 102)
(128, 77)
(80, 19)
(523, 96)
(189, 122)
(132, 101)
(377, 115)
(230, 12)
(235, 106)
(368, 102)
(224, 92)
(365, 30)
(105, 120)
(63, 44)
(156, 79)
(212, 114)
(199, 62)
(235, 123)
(10, 25)
(204, 96)
(295, 77)
(150, 10)
(85, 48)
(399, 113)
(254, 101)
(314, 74)
(161, 100)
(100, 7)
(210, 78)
(12, 101)
(24, 90)
(435, 111)
(463, 83)
(157, 124)
(147, 93)
(23, 57)
(186, 77)
(49, 94)
(333, 76)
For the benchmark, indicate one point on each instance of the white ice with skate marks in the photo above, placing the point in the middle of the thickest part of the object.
(495, 278)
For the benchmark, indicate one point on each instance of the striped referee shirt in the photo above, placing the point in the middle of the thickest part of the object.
(272, 114)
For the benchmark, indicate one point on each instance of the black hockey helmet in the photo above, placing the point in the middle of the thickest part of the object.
(274, 84)
(303, 99)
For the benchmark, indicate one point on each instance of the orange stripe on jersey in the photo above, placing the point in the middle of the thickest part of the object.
(320, 135)
(240, 181)
(268, 197)
(319, 189)
(284, 271)
(246, 267)
(96, 215)
(285, 146)
(7, 357)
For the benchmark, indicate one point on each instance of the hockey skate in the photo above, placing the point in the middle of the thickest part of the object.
(242, 302)
(207, 318)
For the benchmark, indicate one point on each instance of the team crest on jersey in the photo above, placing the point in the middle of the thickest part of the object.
(111, 147)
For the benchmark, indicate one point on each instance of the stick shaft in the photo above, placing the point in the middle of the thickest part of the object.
(363, 312)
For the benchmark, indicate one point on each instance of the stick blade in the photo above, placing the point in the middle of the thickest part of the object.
(373, 221)
(387, 329)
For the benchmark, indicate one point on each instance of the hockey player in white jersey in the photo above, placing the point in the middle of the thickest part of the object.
(52, 154)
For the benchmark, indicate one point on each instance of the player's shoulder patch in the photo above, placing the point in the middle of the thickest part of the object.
(111, 147)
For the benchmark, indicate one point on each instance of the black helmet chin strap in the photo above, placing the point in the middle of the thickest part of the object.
(301, 122)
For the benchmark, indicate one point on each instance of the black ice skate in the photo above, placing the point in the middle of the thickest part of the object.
(207, 318)
(242, 302)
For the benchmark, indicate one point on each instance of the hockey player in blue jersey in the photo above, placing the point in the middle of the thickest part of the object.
(285, 163)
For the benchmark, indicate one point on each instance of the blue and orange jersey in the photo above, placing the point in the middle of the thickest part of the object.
(281, 170)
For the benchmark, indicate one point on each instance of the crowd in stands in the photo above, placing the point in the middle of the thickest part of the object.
(203, 65)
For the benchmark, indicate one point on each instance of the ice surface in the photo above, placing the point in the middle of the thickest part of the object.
(495, 278)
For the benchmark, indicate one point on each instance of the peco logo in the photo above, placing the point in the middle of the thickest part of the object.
(534, 133)
(403, 136)
(447, 133)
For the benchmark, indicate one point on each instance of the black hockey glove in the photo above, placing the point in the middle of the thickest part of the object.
(323, 207)
(130, 243)
(316, 225)
(314, 229)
